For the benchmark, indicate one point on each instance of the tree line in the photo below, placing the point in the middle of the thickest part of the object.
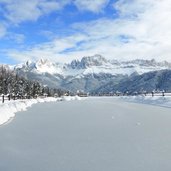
(12, 84)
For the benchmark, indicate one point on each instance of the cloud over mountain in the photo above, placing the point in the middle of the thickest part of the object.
(123, 29)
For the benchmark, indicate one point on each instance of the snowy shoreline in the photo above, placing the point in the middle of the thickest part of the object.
(149, 100)
(10, 108)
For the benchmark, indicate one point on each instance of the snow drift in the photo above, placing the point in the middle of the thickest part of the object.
(9, 108)
(68, 98)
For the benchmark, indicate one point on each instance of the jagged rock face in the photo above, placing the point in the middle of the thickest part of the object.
(93, 73)
(94, 65)
(93, 61)
(87, 62)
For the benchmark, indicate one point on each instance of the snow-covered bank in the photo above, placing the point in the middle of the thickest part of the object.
(156, 100)
(9, 108)
(69, 98)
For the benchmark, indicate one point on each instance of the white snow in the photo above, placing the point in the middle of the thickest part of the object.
(156, 100)
(10, 108)
(69, 98)
(120, 69)
(96, 66)
(81, 135)
(106, 69)
(49, 67)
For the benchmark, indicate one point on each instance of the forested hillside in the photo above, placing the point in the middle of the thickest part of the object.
(11, 83)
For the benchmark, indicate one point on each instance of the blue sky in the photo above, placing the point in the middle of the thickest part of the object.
(62, 30)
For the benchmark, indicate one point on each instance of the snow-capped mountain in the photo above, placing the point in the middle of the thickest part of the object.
(40, 66)
(87, 74)
(93, 65)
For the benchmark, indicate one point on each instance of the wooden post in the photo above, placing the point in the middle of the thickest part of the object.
(9, 97)
(3, 99)
(163, 93)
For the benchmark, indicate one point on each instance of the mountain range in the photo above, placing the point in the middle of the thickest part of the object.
(97, 74)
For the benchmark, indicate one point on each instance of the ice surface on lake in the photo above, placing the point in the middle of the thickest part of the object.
(96, 134)
(9, 108)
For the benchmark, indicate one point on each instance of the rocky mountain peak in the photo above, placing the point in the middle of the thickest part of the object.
(96, 60)
(88, 61)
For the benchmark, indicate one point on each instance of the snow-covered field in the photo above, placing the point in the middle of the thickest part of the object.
(10, 108)
(156, 100)
(95, 134)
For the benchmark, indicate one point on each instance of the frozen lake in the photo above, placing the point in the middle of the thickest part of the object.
(97, 134)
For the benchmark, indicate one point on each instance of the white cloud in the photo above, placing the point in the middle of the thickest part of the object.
(142, 30)
(94, 6)
(18, 38)
(133, 8)
(145, 25)
(17, 11)
(2, 30)
(51, 50)
(47, 34)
